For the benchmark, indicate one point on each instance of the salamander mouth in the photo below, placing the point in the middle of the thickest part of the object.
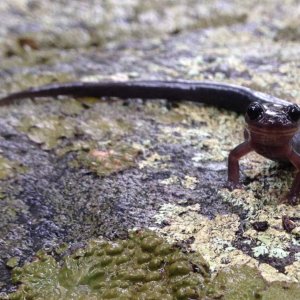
(273, 129)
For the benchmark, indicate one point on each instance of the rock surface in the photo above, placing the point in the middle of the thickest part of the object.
(77, 169)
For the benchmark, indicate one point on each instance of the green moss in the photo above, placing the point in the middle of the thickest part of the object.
(71, 107)
(281, 290)
(179, 268)
(13, 262)
(245, 283)
(122, 269)
(8, 168)
(47, 131)
(238, 283)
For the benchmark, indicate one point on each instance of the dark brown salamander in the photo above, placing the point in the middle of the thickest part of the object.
(272, 123)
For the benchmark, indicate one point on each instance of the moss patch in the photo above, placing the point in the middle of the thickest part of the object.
(237, 283)
(141, 267)
(8, 168)
(245, 283)
(281, 290)
(47, 131)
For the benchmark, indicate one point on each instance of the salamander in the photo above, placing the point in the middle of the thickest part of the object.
(271, 123)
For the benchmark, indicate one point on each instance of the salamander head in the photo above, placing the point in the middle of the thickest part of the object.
(271, 126)
(273, 118)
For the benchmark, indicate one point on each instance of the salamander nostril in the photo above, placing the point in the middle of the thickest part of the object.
(255, 111)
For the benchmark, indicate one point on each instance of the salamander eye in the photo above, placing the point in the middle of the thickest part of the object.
(293, 112)
(255, 111)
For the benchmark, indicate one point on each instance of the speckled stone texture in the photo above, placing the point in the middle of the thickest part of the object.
(77, 169)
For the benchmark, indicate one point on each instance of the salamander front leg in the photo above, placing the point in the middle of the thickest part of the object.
(293, 196)
(233, 163)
